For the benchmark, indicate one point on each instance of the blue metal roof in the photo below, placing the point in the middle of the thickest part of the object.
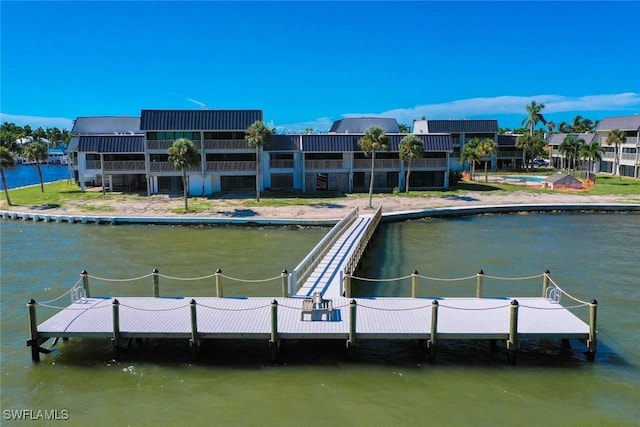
(558, 138)
(198, 120)
(620, 123)
(349, 143)
(462, 126)
(112, 144)
(284, 143)
(361, 124)
(106, 125)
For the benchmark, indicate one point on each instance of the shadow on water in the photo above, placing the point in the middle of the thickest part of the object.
(255, 354)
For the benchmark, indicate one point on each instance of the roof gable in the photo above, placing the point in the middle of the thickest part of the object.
(558, 138)
(194, 120)
(361, 124)
(621, 123)
(106, 125)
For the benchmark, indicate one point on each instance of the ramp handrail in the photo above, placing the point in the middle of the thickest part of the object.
(357, 252)
(311, 261)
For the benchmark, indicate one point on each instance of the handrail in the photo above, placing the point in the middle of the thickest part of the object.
(357, 252)
(310, 262)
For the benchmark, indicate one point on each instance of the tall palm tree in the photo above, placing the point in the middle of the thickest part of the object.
(37, 151)
(469, 154)
(184, 154)
(534, 116)
(411, 147)
(257, 136)
(617, 138)
(571, 149)
(6, 161)
(525, 143)
(591, 152)
(485, 149)
(374, 139)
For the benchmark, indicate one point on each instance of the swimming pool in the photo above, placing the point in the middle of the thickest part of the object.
(518, 179)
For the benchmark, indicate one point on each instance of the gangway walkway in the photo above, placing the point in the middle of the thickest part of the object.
(323, 269)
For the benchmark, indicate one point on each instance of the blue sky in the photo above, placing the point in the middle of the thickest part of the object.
(306, 64)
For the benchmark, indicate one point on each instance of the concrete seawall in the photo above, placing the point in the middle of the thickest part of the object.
(386, 217)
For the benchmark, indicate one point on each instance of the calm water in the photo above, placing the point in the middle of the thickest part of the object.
(23, 175)
(591, 256)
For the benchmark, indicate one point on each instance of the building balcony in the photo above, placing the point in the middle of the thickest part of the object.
(162, 167)
(394, 164)
(136, 166)
(312, 165)
(234, 166)
(509, 154)
(281, 164)
(159, 145)
(226, 144)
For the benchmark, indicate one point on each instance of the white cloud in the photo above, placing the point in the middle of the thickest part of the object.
(37, 121)
(473, 107)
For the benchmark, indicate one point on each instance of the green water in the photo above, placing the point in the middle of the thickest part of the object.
(591, 256)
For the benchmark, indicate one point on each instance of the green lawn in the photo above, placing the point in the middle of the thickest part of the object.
(59, 194)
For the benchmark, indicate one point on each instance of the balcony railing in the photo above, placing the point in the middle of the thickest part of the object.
(281, 164)
(159, 144)
(323, 164)
(231, 166)
(124, 165)
(380, 164)
(93, 164)
(428, 163)
(162, 167)
(225, 144)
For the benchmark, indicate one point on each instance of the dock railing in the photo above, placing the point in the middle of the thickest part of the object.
(311, 261)
(356, 253)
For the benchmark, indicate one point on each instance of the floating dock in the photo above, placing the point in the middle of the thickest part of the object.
(316, 303)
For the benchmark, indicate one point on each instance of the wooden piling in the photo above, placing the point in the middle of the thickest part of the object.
(34, 342)
(433, 337)
(592, 342)
(115, 341)
(193, 342)
(480, 284)
(347, 284)
(545, 283)
(414, 284)
(156, 283)
(352, 342)
(285, 288)
(85, 282)
(219, 292)
(273, 341)
(512, 342)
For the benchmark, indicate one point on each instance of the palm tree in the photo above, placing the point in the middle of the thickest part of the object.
(411, 147)
(534, 116)
(571, 149)
(592, 151)
(564, 127)
(37, 151)
(617, 138)
(6, 161)
(184, 154)
(470, 154)
(486, 148)
(257, 136)
(374, 139)
(403, 128)
(525, 143)
(550, 127)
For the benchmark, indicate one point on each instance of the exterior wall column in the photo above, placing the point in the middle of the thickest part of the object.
(298, 171)
(265, 169)
(82, 169)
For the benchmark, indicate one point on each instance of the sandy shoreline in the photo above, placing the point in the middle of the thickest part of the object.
(320, 209)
